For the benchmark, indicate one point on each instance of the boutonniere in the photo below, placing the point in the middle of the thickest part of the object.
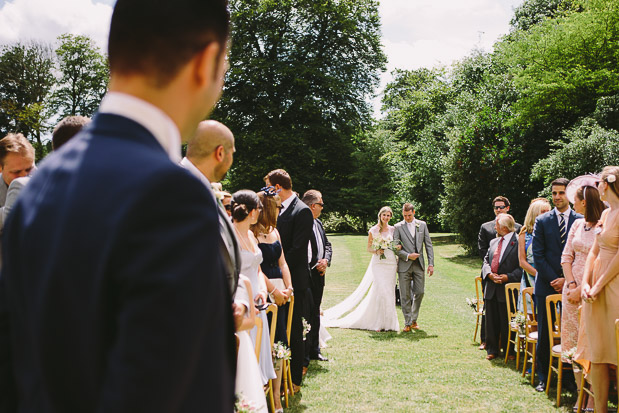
(417, 225)
(513, 243)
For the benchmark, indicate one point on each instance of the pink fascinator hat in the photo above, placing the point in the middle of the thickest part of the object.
(583, 180)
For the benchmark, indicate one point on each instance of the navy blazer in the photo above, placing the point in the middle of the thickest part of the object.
(296, 227)
(509, 265)
(112, 294)
(547, 250)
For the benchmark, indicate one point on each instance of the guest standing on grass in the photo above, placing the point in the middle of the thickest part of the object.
(597, 349)
(585, 197)
(124, 306)
(549, 237)
(501, 266)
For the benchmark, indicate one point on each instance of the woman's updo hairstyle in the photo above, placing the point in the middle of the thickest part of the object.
(243, 202)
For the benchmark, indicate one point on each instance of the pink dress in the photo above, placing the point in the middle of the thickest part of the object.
(577, 247)
(596, 335)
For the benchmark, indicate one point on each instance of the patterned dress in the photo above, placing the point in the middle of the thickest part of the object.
(577, 247)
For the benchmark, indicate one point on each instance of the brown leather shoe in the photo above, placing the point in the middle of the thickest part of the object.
(482, 346)
(511, 357)
(406, 329)
(491, 356)
(295, 388)
(304, 371)
(415, 326)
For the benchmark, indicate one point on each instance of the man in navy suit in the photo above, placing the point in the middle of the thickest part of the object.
(295, 225)
(549, 237)
(113, 297)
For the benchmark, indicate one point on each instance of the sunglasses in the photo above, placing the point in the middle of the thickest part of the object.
(500, 207)
(320, 203)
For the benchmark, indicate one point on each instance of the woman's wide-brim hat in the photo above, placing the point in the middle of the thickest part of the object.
(578, 182)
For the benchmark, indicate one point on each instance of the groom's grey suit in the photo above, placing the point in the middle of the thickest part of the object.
(412, 270)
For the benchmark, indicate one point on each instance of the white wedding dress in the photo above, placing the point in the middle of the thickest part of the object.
(377, 310)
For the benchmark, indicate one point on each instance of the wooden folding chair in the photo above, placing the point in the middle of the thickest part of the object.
(512, 290)
(286, 374)
(479, 310)
(530, 333)
(553, 317)
(268, 392)
(258, 337)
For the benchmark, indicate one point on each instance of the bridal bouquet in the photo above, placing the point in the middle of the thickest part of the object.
(380, 243)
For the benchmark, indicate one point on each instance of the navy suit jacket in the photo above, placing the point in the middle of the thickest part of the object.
(112, 294)
(296, 227)
(547, 250)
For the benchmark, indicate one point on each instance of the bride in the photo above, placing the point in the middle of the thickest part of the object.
(377, 310)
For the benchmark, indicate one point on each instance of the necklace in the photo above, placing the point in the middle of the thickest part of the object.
(245, 247)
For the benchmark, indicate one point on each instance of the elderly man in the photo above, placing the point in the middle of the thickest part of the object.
(126, 296)
(501, 266)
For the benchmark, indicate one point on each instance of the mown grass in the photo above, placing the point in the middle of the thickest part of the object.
(436, 369)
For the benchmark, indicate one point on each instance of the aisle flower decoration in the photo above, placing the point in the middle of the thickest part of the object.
(472, 302)
(280, 352)
(242, 405)
(306, 328)
(568, 356)
(521, 321)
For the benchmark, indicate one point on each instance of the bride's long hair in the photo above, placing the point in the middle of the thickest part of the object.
(380, 222)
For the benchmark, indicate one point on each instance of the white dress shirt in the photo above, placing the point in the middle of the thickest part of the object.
(286, 203)
(506, 239)
(566, 215)
(148, 115)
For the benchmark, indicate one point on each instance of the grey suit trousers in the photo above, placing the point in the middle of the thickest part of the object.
(412, 283)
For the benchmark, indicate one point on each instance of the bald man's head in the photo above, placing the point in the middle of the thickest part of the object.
(211, 149)
(209, 135)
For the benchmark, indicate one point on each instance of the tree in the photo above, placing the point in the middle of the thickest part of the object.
(83, 77)
(296, 91)
(532, 12)
(26, 80)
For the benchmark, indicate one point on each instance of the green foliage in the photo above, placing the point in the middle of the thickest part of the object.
(532, 12)
(586, 148)
(26, 80)
(83, 77)
(296, 92)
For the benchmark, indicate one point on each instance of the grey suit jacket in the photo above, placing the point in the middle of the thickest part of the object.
(11, 197)
(411, 243)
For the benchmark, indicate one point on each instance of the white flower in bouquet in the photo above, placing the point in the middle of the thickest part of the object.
(521, 321)
(472, 302)
(380, 243)
(306, 328)
(280, 351)
(568, 355)
(242, 405)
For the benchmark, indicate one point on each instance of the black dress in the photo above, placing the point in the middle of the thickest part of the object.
(270, 267)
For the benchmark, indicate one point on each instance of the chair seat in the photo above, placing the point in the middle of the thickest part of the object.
(556, 350)
(533, 335)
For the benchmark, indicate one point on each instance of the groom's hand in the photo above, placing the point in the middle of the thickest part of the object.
(413, 256)
(430, 270)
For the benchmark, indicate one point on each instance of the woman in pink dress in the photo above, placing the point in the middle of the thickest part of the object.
(597, 349)
(586, 199)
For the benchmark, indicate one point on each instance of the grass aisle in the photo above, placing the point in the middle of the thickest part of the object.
(437, 369)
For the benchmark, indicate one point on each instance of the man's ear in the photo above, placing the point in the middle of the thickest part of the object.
(220, 153)
(206, 64)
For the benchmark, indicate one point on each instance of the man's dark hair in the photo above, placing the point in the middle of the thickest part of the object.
(66, 129)
(408, 207)
(501, 199)
(279, 177)
(560, 182)
(156, 38)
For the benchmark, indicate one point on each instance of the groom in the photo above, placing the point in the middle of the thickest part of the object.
(413, 235)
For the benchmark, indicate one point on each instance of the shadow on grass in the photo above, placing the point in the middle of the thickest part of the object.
(392, 335)
(465, 260)
(316, 368)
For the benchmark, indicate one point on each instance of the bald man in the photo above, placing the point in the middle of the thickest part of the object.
(209, 157)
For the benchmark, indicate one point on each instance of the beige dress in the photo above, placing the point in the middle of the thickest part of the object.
(596, 335)
(577, 247)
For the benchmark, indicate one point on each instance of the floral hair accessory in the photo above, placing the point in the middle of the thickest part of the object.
(611, 178)
(270, 191)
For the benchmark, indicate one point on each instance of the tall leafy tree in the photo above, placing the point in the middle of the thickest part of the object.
(296, 92)
(84, 76)
(26, 80)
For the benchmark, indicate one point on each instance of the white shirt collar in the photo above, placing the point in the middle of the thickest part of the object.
(187, 164)
(286, 203)
(148, 115)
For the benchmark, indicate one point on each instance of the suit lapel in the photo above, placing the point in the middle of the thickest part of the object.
(410, 236)
(508, 249)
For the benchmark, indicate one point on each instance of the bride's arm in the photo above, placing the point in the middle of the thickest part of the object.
(370, 249)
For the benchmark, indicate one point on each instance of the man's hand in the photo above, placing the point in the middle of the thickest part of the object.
(430, 270)
(321, 266)
(558, 284)
(238, 312)
(413, 256)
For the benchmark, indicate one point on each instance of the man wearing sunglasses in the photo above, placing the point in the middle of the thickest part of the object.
(487, 232)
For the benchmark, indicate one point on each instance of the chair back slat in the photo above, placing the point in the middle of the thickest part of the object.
(553, 315)
(479, 293)
(272, 309)
(527, 297)
(258, 337)
(512, 291)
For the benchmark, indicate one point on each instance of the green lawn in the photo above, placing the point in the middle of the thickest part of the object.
(436, 369)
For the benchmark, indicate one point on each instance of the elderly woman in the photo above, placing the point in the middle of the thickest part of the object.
(597, 349)
(585, 197)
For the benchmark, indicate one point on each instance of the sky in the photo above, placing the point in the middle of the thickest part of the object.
(416, 33)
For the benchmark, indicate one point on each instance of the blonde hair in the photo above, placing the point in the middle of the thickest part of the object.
(614, 171)
(380, 223)
(535, 210)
